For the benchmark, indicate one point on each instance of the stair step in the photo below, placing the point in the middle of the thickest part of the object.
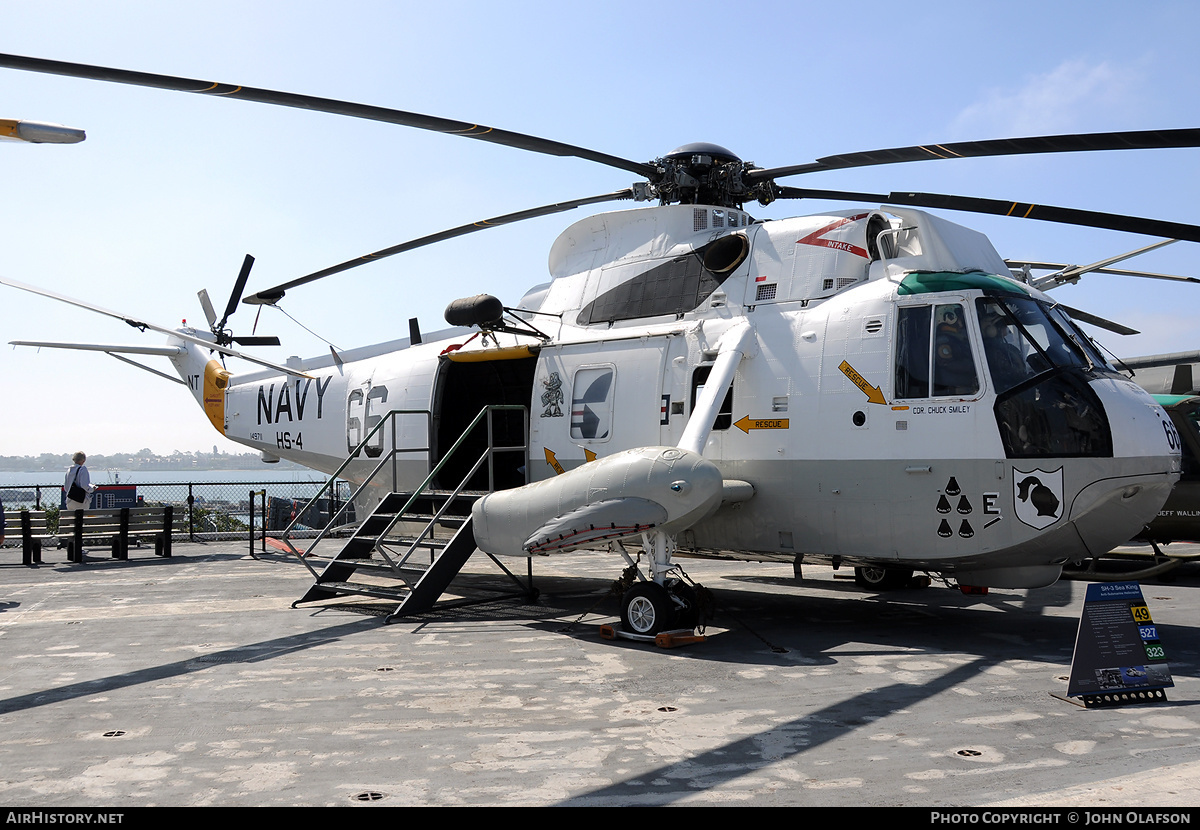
(429, 566)
(384, 519)
(377, 523)
(461, 504)
(374, 567)
(397, 592)
(405, 541)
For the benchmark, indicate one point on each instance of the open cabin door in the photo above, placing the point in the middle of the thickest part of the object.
(465, 384)
(592, 400)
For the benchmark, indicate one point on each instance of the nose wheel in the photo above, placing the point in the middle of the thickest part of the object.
(649, 608)
(879, 578)
(665, 608)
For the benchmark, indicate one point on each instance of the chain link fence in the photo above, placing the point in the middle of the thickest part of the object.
(203, 511)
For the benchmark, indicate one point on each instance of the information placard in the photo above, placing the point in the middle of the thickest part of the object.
(1119, 658)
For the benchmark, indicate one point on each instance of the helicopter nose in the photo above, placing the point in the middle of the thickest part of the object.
(1144, 467)
(1109, 513)
(1140, 427)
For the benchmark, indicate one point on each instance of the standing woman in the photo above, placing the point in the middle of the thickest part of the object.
(78, 484)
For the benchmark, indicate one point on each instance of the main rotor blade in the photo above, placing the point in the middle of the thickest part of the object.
(1081, 142)
(1066, 268)
(1076, 270)
(39, 132)
(270, 296)
(308, 102)
(998, 207)
(142, 324)
(1064, 273)
(1099, 322)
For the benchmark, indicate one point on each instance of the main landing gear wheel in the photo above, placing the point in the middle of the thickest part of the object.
(879, 578)
(647, 609)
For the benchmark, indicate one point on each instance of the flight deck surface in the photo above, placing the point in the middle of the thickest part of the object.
(192, 682)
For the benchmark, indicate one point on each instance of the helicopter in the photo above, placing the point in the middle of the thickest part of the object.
(863, 386)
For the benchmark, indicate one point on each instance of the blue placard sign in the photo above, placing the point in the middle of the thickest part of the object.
(1118, 653)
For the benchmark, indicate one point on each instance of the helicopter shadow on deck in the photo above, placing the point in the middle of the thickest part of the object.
(817, 631)
(789, 623)
(980, 634)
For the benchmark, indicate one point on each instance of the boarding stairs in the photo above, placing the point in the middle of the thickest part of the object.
(415, 542)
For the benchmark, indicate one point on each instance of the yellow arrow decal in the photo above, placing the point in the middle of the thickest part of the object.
(746, 423)
(874, 393)
(553, 462)
(588, 455)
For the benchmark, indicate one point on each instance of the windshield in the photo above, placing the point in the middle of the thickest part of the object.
(1021, 341)
(1079, 338)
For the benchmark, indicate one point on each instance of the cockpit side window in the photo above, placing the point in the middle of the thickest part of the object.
(912, 352)
(933, 353)
(953, 365)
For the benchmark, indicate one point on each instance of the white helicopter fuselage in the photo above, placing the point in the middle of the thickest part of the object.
(869, 411)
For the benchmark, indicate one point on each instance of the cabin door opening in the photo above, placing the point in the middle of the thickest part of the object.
(463, 389)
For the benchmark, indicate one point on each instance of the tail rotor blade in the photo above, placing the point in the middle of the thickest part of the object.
(209, 312)
(238, 286)
(260, 340)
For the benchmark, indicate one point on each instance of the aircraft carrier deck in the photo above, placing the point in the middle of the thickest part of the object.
(191, 681)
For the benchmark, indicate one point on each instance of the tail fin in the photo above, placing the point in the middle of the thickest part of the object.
(205, 377)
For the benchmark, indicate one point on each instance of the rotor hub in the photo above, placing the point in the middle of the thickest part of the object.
(701, 152)
(703, 173)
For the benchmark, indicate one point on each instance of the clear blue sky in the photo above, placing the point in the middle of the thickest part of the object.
(170, 190)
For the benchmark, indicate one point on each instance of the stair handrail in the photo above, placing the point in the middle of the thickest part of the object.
(485, 411)
(487, 455)
(387, 418)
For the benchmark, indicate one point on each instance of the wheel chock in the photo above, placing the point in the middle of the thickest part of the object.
(674, 639)
(664, 639)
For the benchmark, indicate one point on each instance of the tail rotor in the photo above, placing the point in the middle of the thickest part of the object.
(225, 336)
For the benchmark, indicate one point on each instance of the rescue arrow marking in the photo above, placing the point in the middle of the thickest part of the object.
(746, 423)
(552, 459)
(874, 393)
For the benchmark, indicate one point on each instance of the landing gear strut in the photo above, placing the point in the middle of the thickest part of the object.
(664, 603)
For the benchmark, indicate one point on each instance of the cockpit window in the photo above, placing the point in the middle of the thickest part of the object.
(1020, 341)
(933, 353)
(1080, 339)
(1042, 411)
